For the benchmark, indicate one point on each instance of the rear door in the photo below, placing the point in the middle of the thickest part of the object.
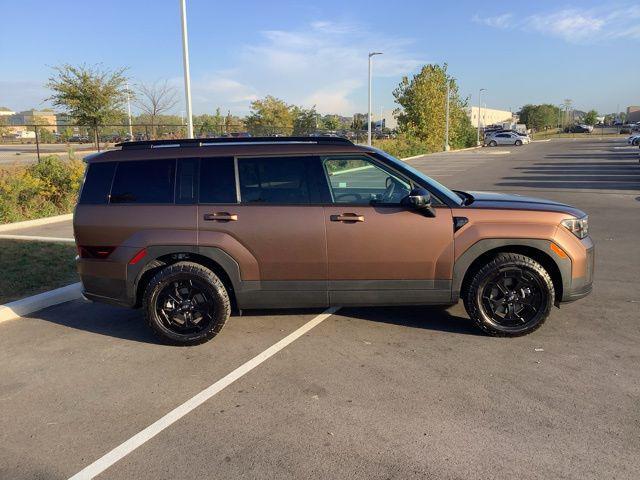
(274, 214)
(379, 252)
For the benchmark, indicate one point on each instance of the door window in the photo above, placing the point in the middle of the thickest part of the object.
(277, 180)
(357, 180)
(217, 180)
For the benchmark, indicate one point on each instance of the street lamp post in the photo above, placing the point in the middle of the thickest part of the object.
(479, 109)
(185, 61)
(446, 127)
(371, 54)
(129, 113)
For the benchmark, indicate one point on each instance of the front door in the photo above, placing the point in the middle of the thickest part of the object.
(379, 252)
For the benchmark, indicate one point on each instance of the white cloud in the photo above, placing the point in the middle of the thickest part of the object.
(574, 25)
(499, 21)
(323, 63)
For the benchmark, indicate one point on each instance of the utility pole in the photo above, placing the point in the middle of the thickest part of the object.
(129, 113)
(479, 109)
(446, 127)
(371, 54)
(185, 61)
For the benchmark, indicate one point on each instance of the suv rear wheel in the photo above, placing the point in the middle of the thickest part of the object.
(510, 296)
(186, 304)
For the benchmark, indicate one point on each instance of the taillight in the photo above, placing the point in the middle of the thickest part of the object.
(95, 252)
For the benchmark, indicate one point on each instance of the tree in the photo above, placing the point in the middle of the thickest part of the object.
(305, 121)
(540, 117)
(591, 117)
(270, 116)
(331, 122)
(90, 95)
(423, 108)
(154, 100)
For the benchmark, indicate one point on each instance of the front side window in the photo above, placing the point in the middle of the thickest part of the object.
(144, 181)
(360, 181)
(275, 180)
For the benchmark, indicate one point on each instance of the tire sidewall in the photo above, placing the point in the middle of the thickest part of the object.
(475, 306)
(214, 289)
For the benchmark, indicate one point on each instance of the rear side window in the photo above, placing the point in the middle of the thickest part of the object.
(217, 180)
(281, 180)
(97, 183)
(146, 181)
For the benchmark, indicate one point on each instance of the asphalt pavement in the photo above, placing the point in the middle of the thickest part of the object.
(383, 393)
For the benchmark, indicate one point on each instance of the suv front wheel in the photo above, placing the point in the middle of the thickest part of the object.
(510, 296)
(186, 304)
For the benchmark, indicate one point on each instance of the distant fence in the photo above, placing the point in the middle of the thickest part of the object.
(104, 136)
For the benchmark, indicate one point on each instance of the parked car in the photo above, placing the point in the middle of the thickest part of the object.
(626, 129)
(577, 129)
(634, 140)
(507, 138)
(200, 228)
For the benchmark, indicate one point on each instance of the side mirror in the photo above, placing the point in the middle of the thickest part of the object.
(420, 199)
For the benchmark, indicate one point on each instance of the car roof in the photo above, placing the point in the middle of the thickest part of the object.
(228, 147)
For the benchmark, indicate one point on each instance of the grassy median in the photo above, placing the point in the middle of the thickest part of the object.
(27, 268)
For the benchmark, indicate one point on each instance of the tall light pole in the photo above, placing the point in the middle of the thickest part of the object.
(129, 112)
(446, 126)
(479, 108)
(371, 54)
(185, 61)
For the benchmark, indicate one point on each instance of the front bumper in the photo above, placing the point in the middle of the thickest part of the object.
(582, 286)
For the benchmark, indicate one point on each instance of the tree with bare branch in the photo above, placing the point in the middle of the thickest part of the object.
(154, 100)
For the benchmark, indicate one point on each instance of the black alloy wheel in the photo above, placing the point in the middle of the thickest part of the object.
(186, 304)
(511, 295)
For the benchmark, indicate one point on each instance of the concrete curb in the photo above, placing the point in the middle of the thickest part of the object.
(34, 238)
(35, 223)
(545, 140)
(25, 306)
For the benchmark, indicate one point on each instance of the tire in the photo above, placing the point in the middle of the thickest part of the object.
(518, 143)
(636, 142)
(186, 304)
(529, 309)
(493, 143)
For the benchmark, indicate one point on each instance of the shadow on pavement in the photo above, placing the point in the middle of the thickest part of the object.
(621, 173)
(424, 317)
(101, 319)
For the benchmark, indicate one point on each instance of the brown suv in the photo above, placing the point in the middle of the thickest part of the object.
(193, 229)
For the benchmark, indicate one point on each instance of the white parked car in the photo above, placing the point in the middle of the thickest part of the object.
(634, 139)
(506, 138)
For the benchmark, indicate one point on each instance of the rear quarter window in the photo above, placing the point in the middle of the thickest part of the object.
(97, 183)
(144, 181)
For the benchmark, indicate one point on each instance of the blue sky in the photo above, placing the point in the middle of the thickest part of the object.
(308, 52)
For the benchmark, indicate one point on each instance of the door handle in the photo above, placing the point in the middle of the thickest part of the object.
(221, 217)
(347, 217)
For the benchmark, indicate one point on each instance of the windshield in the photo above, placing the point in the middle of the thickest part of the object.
(437, 186)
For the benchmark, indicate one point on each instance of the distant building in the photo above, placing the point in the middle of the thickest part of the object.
(33, 117)
(633, 114)
(488, 116)
(385, 119)
(5, 112)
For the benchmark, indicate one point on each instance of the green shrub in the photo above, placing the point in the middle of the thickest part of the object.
(49, 187)
(403, 146)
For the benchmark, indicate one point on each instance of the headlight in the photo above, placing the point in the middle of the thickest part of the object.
(578, 226)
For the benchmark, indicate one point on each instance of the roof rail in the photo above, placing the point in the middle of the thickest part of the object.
(199, 142)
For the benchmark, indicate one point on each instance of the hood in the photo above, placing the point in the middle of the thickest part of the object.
(508, 201)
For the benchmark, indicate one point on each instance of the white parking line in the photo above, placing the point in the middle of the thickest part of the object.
(177, 413)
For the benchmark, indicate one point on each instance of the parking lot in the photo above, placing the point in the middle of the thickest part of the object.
(412, 392)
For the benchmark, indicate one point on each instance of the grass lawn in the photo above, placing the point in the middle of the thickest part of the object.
(34, 267)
